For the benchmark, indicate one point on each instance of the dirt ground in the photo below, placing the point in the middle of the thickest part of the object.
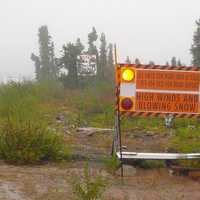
(53, 181)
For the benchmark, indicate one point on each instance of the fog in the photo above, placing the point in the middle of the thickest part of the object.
(149, 30)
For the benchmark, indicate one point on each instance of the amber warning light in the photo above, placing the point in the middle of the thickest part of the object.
(128, 75)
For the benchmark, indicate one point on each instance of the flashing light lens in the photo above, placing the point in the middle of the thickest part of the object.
(127, 103)
(128, 75)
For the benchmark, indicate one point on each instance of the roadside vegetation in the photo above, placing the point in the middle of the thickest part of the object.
(25, 136)
(88, 186)
(29, 132)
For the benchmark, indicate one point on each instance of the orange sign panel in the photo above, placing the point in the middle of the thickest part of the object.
(168, 80)
(166, 102)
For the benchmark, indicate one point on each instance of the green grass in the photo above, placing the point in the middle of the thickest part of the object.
(186, 140)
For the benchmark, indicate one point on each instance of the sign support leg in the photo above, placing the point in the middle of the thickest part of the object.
(120, 142)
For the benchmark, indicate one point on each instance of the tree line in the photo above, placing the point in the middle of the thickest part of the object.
(48, 66)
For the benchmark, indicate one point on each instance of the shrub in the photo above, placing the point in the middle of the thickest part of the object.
(112, 164)
(88, 188)
(186, 140)
(30, 143)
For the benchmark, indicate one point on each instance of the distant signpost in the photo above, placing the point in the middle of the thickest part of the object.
(86, 65)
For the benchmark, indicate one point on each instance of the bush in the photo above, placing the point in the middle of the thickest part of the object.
(88, 188)
(186, 140)
(30, 143)
(112, 164)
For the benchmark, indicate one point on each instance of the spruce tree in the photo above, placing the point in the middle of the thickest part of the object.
(79, 46)
(173, 61)
(128, 61)
(45, 62)
(179, 63)
(137, 61)
(167, 63)
(92, 49)
(44, 41)
(92, 37)
(36, 60)
(102, 56)
(69, 59)
(151, 63)
(195, 49)
(110, 55)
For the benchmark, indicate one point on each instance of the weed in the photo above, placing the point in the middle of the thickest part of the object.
(112, 164)
(186, 140)
(88, 188)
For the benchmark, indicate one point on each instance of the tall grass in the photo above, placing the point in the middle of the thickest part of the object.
(24, 133)
(94, 104)
(186, 140)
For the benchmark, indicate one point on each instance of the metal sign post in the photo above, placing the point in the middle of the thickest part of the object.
(117, 142)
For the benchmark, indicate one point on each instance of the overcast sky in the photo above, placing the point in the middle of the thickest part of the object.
(148, 29)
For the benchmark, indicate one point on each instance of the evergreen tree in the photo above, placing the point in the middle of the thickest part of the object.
(173, 61)
(80, 47)
(110, 55)
(167, 63)
(37, 62)
(195, 49)
(45, 62)
(179, 63)
(110, 72)
(54, 70)
(102, 56)
(69, 59)
(137, 61)
(128, 61)
(92, 37)
(151, 63)
(44, 41)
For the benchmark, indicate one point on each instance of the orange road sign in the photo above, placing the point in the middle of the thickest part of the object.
(163, 89)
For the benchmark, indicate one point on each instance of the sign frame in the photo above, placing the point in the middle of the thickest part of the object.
(160, 68)
(117, 139)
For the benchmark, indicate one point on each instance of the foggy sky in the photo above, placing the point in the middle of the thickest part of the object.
(147, 29)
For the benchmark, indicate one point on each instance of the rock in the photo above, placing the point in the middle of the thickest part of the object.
(191, 127)
(66, 131)
(89, 131)
(60, 118)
